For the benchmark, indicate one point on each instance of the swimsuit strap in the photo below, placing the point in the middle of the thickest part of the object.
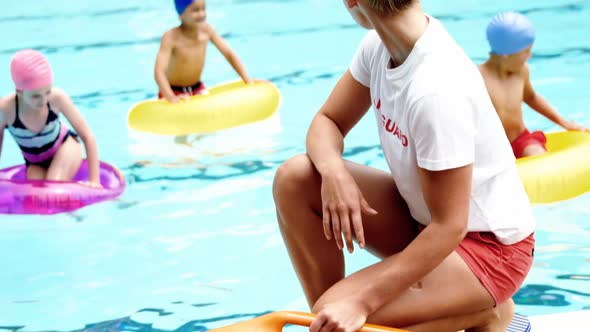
(17, 123)
(51, 115)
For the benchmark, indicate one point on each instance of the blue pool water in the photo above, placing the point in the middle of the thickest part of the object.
(193, 244)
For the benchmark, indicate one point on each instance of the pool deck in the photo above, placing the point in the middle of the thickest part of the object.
(569, 321)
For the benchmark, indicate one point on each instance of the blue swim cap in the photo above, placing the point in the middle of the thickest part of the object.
(181, 5)
(509, 33)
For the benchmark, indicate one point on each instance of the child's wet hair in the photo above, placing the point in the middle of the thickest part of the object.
(390, 6)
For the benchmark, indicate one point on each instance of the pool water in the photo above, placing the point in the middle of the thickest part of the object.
(193, 243)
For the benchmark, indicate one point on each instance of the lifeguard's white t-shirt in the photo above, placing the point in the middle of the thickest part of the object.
(434, 112)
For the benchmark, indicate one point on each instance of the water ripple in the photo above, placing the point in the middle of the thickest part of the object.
(69, 16)
(229, 170)
(545, 295)
(574, 7)
(128, 324)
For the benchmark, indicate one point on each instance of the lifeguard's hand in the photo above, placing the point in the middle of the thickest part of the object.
(342, 205)
(345, 315)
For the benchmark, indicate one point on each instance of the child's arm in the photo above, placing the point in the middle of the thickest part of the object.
(162, 60)
(69, 110)
(2, 123)
(2, 126)
(229, 54)
(539, 104)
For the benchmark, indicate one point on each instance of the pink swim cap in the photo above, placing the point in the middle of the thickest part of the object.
(30, 70)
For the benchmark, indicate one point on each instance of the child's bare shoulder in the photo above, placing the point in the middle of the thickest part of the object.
(60, 99)
(5, 107)
(481, 67)
(525, 72)
(6, 102)
(169, 37)
(209, 30)
(484, 70)
(58, 96)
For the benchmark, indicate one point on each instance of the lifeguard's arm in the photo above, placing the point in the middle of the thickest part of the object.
(162, 60)
(538, 103)
(229, 54)
(348, 102)
(341, 199)
(73, 115)
(449, 210)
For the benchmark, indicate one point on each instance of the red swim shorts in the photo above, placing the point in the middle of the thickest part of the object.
(194, 90)
(527, 138)
(500, 268)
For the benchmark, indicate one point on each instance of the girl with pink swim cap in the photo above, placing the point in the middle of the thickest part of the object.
(51, 150)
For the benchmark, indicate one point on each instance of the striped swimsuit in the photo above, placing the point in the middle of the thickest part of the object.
(39, 148)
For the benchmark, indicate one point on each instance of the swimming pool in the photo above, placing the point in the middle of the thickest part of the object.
(193, 244)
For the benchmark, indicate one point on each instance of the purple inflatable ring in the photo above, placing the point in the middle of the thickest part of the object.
(21, 196)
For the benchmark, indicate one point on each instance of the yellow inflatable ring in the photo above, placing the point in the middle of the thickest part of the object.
(225, 106)
(561, 173)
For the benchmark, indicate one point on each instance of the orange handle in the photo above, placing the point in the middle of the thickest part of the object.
(275, 321)
(305, 319)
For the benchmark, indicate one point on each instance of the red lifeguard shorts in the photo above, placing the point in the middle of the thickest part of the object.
(500, 268)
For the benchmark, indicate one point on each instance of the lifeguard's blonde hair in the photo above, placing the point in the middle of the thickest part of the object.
(390, 6)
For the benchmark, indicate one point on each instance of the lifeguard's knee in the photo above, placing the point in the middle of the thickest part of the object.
(292, 179)
(319, 305)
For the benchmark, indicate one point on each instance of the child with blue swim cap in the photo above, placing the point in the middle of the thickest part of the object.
(181, 57)
(506, 74)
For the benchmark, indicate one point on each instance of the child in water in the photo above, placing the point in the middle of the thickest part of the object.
(51, 150)
(181, 57)
(507, 78)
